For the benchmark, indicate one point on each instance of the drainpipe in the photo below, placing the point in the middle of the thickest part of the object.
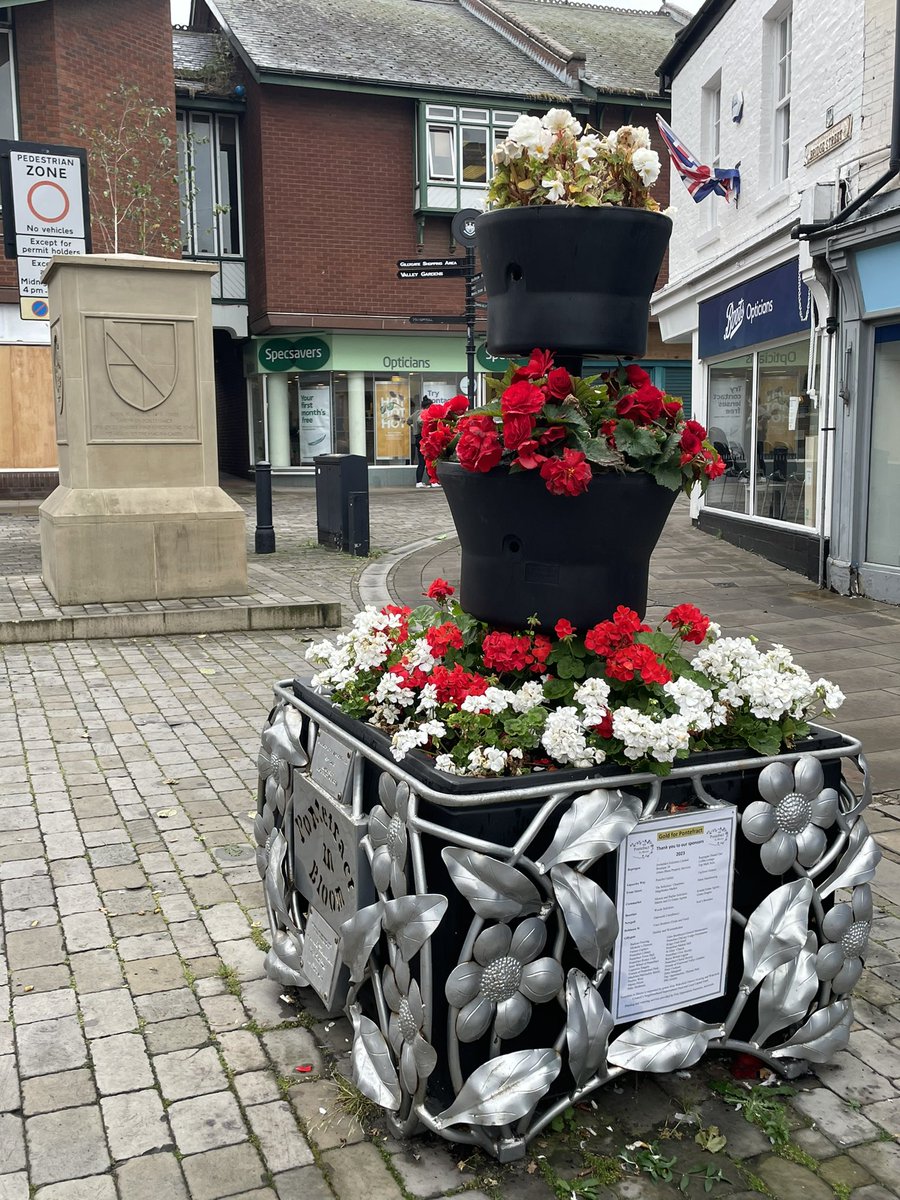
(827, 429)
(803, 232)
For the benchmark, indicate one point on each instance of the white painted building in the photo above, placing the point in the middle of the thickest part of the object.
(799, 96)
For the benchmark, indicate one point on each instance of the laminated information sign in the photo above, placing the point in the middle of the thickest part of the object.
(673, 897)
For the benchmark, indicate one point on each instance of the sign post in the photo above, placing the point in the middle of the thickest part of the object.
(46, 213)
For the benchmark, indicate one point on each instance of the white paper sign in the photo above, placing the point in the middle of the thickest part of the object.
(727, 408)
(673, 898)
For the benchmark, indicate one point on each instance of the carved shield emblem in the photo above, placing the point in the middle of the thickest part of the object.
(141, 361)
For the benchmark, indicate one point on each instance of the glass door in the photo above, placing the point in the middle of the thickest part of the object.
(883, 530)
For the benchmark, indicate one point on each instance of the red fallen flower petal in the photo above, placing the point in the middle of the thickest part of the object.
(304, 1068)
(745, 1066)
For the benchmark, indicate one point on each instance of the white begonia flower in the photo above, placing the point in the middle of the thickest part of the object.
(558, 120)
(554, 187)
(646, 163)
(640, 136)
(527, 131)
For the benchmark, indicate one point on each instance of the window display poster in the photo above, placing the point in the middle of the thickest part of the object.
(673, 897)
(392, 434)
(728, 408)
(315, 420)
(439, 390)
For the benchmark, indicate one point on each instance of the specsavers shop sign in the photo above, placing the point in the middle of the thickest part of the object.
(769, 306)
(293, 353)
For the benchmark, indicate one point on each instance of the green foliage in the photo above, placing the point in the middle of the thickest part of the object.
(761, 1106)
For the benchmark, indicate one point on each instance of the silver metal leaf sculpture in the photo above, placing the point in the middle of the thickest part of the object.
(502, 1089)
(589, 914)
(594, 825)
(588, 1026)
(824, 1034)
(787, 992)
(412, 920)
(665, 1043)
(279, 970)
(359, 936)
(857, 864)
(373, 1068)
(495, 890)
(276, 884)
(776, 930)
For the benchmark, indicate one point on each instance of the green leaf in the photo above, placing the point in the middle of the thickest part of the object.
(766, 739)
(557, 689)
(635, 440)
(667, 475)
(598, 450)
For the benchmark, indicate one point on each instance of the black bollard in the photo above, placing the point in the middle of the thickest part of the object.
(265, 531)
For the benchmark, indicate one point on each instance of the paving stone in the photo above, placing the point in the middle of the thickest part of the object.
(27, 948)
(116, 855)
(226, 1172)
(65, 872)
(95, 1187)
(121, 1064)
(166, 1006)
(262, 999)
(12, 1143)
(225, 922)
(256, 1087)
(147, 945)
(814, 1142)
(853, 1080)
(224, 1012)
(283, 1145)
(86, 931)
(10, 1093)
(154, 1177)
(430, 1170)
(204, 968)
(843, 1125)
(39, 979)
(181, 1034)
(120, 902)
(115, 879)
(880, 1159)
(63, 845)
(191, 939)
(67, 1144)
(77, 898)
(306, 1183)
(15, 863)
(96, 971)
(135, 1124)
(360, 1171)
(843, 1172)
(31, 892)
(186, 1073)
(14, 1186)
(873, 1191)
(66, 1089)
(790, 1181)
(242, 1051)
(47, 1046)
(886, 1115)
(290, 1048)
(244, 957)
(44, 1006)
(327, 1123)
(154, 974)
(106, 1013)
(30, 918)
(207, 1122)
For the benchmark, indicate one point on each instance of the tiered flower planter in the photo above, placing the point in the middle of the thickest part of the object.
(468, 927)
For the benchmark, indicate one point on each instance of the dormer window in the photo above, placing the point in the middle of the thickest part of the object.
(455, 163)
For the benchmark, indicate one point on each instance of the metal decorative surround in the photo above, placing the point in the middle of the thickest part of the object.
(477, 972)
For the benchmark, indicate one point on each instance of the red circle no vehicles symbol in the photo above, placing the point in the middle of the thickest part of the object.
(47, 201)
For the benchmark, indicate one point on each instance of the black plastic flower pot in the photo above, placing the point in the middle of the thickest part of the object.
(575, 279)
(526, 552)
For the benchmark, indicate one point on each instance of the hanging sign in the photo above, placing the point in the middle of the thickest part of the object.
(673, 898)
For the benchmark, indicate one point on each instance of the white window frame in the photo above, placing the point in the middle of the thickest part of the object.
(184, 119)
(711, 106)
(497, 122)
(781, 96)
(6, 30)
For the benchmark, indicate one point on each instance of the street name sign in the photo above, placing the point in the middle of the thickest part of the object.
(423, 320)
(429, 273)
(430, 264)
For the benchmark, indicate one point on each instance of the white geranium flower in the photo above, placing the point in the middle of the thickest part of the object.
(530, 695)
(646, 163)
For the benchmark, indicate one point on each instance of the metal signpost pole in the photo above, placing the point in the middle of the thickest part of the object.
(470, 324)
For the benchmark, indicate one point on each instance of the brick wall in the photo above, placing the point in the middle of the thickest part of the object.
(71, 54)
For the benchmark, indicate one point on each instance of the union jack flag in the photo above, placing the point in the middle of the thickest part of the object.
(699, 180)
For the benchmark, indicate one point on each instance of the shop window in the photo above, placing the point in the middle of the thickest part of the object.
(770, 444)
(209, 174)
(459, 142)
(883, 536)
(8, 116)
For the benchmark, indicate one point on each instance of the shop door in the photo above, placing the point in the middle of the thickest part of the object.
(882, 526)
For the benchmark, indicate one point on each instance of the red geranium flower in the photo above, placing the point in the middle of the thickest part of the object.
(559, 384)
(506, 651)
(690, 622)
(452, 686)
(440, 590)
(605, 728)
(517, 429)
(541, 651)
(441, 638)
(521, 399)
(479, 446)
(563, 628)
(608, 636)
(538, 365)
(569, 475)
(637, 659)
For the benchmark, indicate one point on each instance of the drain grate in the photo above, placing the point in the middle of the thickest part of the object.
(722, 585)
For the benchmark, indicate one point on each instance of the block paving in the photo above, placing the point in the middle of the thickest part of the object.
(143, 1053)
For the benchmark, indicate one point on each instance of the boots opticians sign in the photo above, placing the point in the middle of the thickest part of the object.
(766, 307)
(293, 354)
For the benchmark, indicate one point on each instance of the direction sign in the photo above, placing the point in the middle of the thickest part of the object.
(423, 320)
(413, 264)
(456, 273)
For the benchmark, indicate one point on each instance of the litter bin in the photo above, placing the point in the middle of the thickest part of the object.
(342, 502)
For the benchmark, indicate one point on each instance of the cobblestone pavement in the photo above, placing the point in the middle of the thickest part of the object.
(142, 1052)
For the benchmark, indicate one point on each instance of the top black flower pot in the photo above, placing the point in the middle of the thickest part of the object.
(525, 552)
(577, 280)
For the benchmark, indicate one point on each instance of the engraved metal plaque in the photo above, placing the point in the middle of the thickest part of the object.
(330, 869)
(320, 962)
(331, 763)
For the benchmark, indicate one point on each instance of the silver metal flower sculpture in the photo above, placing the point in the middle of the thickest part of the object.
(387, 833)
(505, 978)
(417, 1057)
(790, 820)
(847, 928)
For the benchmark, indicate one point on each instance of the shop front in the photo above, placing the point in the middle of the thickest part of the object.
(760, 357)
(347, 393)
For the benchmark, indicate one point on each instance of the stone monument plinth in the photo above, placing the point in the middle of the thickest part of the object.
(138, 514)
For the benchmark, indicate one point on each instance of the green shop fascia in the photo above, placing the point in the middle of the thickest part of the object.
(351, 393)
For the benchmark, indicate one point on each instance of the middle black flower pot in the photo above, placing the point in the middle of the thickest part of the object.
(525, 552)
